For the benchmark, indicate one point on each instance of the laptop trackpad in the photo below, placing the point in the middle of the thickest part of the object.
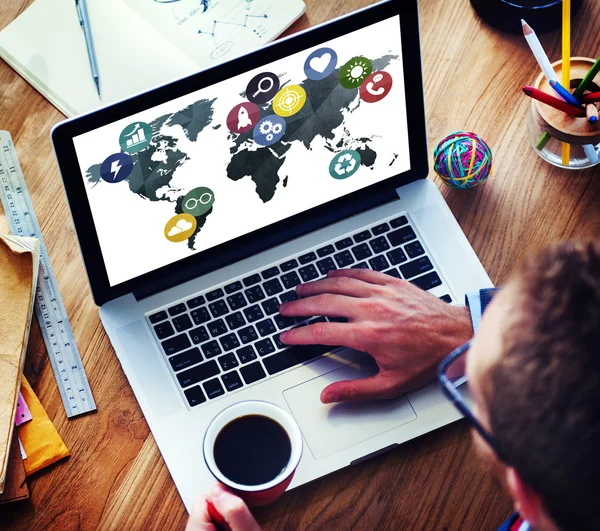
(329, 428)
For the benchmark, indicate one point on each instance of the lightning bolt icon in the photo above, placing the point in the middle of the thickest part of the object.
(115, 168)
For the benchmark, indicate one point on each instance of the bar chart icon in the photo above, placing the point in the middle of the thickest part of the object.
(135, 137)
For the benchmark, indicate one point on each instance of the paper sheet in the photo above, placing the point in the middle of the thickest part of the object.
(23, 454)
(46, 45)
(213, 31)
(23, 414)
(42, 443)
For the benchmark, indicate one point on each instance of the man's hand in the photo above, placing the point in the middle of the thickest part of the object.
(233, 509)
(408, 331)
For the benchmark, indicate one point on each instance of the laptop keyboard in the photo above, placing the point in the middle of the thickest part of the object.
(226, 338)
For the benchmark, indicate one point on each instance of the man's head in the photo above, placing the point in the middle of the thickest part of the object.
(534, 372)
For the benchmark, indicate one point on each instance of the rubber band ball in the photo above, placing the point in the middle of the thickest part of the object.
(463, 160)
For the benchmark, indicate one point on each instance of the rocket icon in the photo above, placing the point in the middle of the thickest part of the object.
(243, 118)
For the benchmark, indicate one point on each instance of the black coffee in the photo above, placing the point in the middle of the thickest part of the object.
(252, 450)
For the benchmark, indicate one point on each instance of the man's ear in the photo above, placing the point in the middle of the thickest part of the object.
(527, 502)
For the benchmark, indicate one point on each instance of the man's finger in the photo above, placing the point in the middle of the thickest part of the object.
(379, 386)
(233, 509)
(340, 285)
(332, 334)
(325, 304)
(199, 518)
(366, 275)
(374, 387)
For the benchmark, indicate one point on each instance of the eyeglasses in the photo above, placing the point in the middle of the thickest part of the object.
(453, 379)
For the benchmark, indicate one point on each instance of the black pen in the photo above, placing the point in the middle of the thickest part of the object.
(84, 20)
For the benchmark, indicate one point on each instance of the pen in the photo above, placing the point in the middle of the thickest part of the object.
(84, 20)
(564, 93)
(554, 102)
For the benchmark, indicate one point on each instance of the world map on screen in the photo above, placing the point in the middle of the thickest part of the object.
(328, 102)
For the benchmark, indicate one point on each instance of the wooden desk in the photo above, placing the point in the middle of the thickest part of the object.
(116, 478)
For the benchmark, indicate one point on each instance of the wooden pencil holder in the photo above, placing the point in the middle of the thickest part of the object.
(548, 128)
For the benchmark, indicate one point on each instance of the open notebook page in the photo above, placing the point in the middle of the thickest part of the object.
(214, 31)
(46, 46)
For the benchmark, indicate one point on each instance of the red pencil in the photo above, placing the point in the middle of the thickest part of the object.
(590, 98)
(544, 97)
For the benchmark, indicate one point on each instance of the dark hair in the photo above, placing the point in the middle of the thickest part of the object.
(544, 402)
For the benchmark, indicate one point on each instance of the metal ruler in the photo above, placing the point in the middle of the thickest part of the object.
(49, 307)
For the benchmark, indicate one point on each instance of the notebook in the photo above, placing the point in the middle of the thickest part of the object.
(140, 44)
(19, 261)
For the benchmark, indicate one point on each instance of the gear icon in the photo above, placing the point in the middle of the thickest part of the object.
(266, 127)
(269, 130)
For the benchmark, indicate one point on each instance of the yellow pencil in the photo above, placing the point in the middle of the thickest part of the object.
(566, 65)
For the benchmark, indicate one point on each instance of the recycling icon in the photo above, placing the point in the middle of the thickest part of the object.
(344, 164)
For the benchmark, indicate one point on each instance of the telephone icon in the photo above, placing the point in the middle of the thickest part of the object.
(376, 87)
(371, 86)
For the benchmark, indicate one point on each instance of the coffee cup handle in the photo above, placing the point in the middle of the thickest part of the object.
(217, 517)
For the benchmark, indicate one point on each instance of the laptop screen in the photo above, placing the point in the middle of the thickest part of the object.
(216, 164)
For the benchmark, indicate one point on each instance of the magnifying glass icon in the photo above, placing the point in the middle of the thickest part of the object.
(264, 85)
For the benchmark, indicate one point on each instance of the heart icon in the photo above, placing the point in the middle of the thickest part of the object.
(319, 64)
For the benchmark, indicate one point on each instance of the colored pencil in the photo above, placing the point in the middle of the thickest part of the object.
(546, 98)
(592, 97)
(592, 113)
(564, 93)
(593, 72)
(542, 58)
(566, 65)
(538, 51)
(591, 154)
(543, 141)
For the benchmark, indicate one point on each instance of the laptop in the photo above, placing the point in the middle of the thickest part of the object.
(201, 204)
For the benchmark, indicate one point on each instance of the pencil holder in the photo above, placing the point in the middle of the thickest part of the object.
(548, 128)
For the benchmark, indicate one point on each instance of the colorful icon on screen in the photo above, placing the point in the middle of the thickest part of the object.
(116, 167)
(344, 164)
(262, 87)
(355, 71)
(289, 100)
(376, 87)
(320, 63)
(198, 201)
(180, 227)
(135, 137)
(243, 117)
(269, 130)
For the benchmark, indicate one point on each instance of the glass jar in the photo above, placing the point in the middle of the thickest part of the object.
(548, 128)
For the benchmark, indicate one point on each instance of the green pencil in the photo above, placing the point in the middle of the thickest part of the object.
(587, 79)
(543, 142)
